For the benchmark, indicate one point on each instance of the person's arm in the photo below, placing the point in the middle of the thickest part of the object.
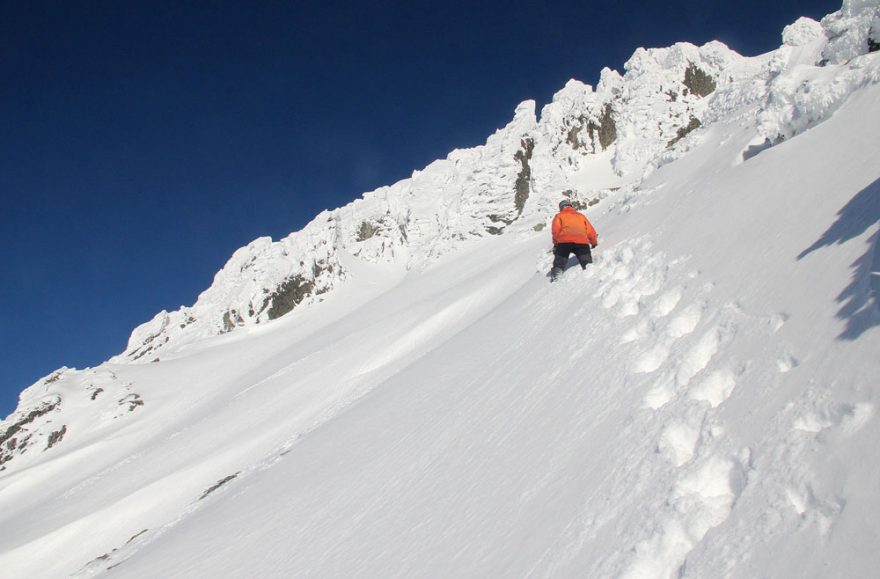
(592, 236)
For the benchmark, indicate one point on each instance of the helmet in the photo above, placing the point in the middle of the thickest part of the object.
(564, 203)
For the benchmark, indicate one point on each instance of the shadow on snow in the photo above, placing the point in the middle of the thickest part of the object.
(860, 300)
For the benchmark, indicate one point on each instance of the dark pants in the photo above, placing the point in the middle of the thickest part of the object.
(561, 251)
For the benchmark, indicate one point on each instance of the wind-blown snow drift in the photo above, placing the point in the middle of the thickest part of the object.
(699, 403)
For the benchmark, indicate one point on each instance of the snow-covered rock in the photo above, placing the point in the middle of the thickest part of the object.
(804, 31)
(850, 30)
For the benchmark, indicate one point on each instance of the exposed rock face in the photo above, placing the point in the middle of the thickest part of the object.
(290, 293)
(56, 436)
(18, 436)
(682, 132)
(367, 230)
(698, 82)
(523, 179)
(605, 130)
(521, 189)
(131, 401)
(231, 320)
(601, 131)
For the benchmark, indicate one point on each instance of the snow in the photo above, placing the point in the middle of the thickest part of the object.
(803, 31)
(848, 30)
(700, 402)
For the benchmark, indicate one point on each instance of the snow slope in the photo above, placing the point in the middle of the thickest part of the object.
(701, 402)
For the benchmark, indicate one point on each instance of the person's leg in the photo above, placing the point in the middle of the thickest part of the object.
(560, 255)
(561, 252)
(584, 255)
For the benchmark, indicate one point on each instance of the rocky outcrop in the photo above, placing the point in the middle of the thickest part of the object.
(56, 436)
(131, 401)
(522, 187)
(601, 131)
(217, 485)
(605, 131)
(20, 434)
(698, 82)
(367, 230)
(231, 320)
(682, 132)
(66, 401)
(289, 294)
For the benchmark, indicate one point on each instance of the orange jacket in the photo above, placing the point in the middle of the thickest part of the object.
(569, 226)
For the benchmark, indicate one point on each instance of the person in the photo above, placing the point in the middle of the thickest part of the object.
(572, 233)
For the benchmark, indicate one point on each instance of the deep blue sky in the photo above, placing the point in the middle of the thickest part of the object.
(141, 143)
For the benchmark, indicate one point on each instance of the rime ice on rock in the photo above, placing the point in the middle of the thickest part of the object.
(803, 31)
(849, 30)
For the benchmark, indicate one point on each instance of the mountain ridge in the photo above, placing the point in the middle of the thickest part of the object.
(577, 127)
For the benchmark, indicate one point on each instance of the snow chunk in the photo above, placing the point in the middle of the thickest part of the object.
(610, 81)
(803, 31)
(525, 111)
(849, 30)
(855, 7)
